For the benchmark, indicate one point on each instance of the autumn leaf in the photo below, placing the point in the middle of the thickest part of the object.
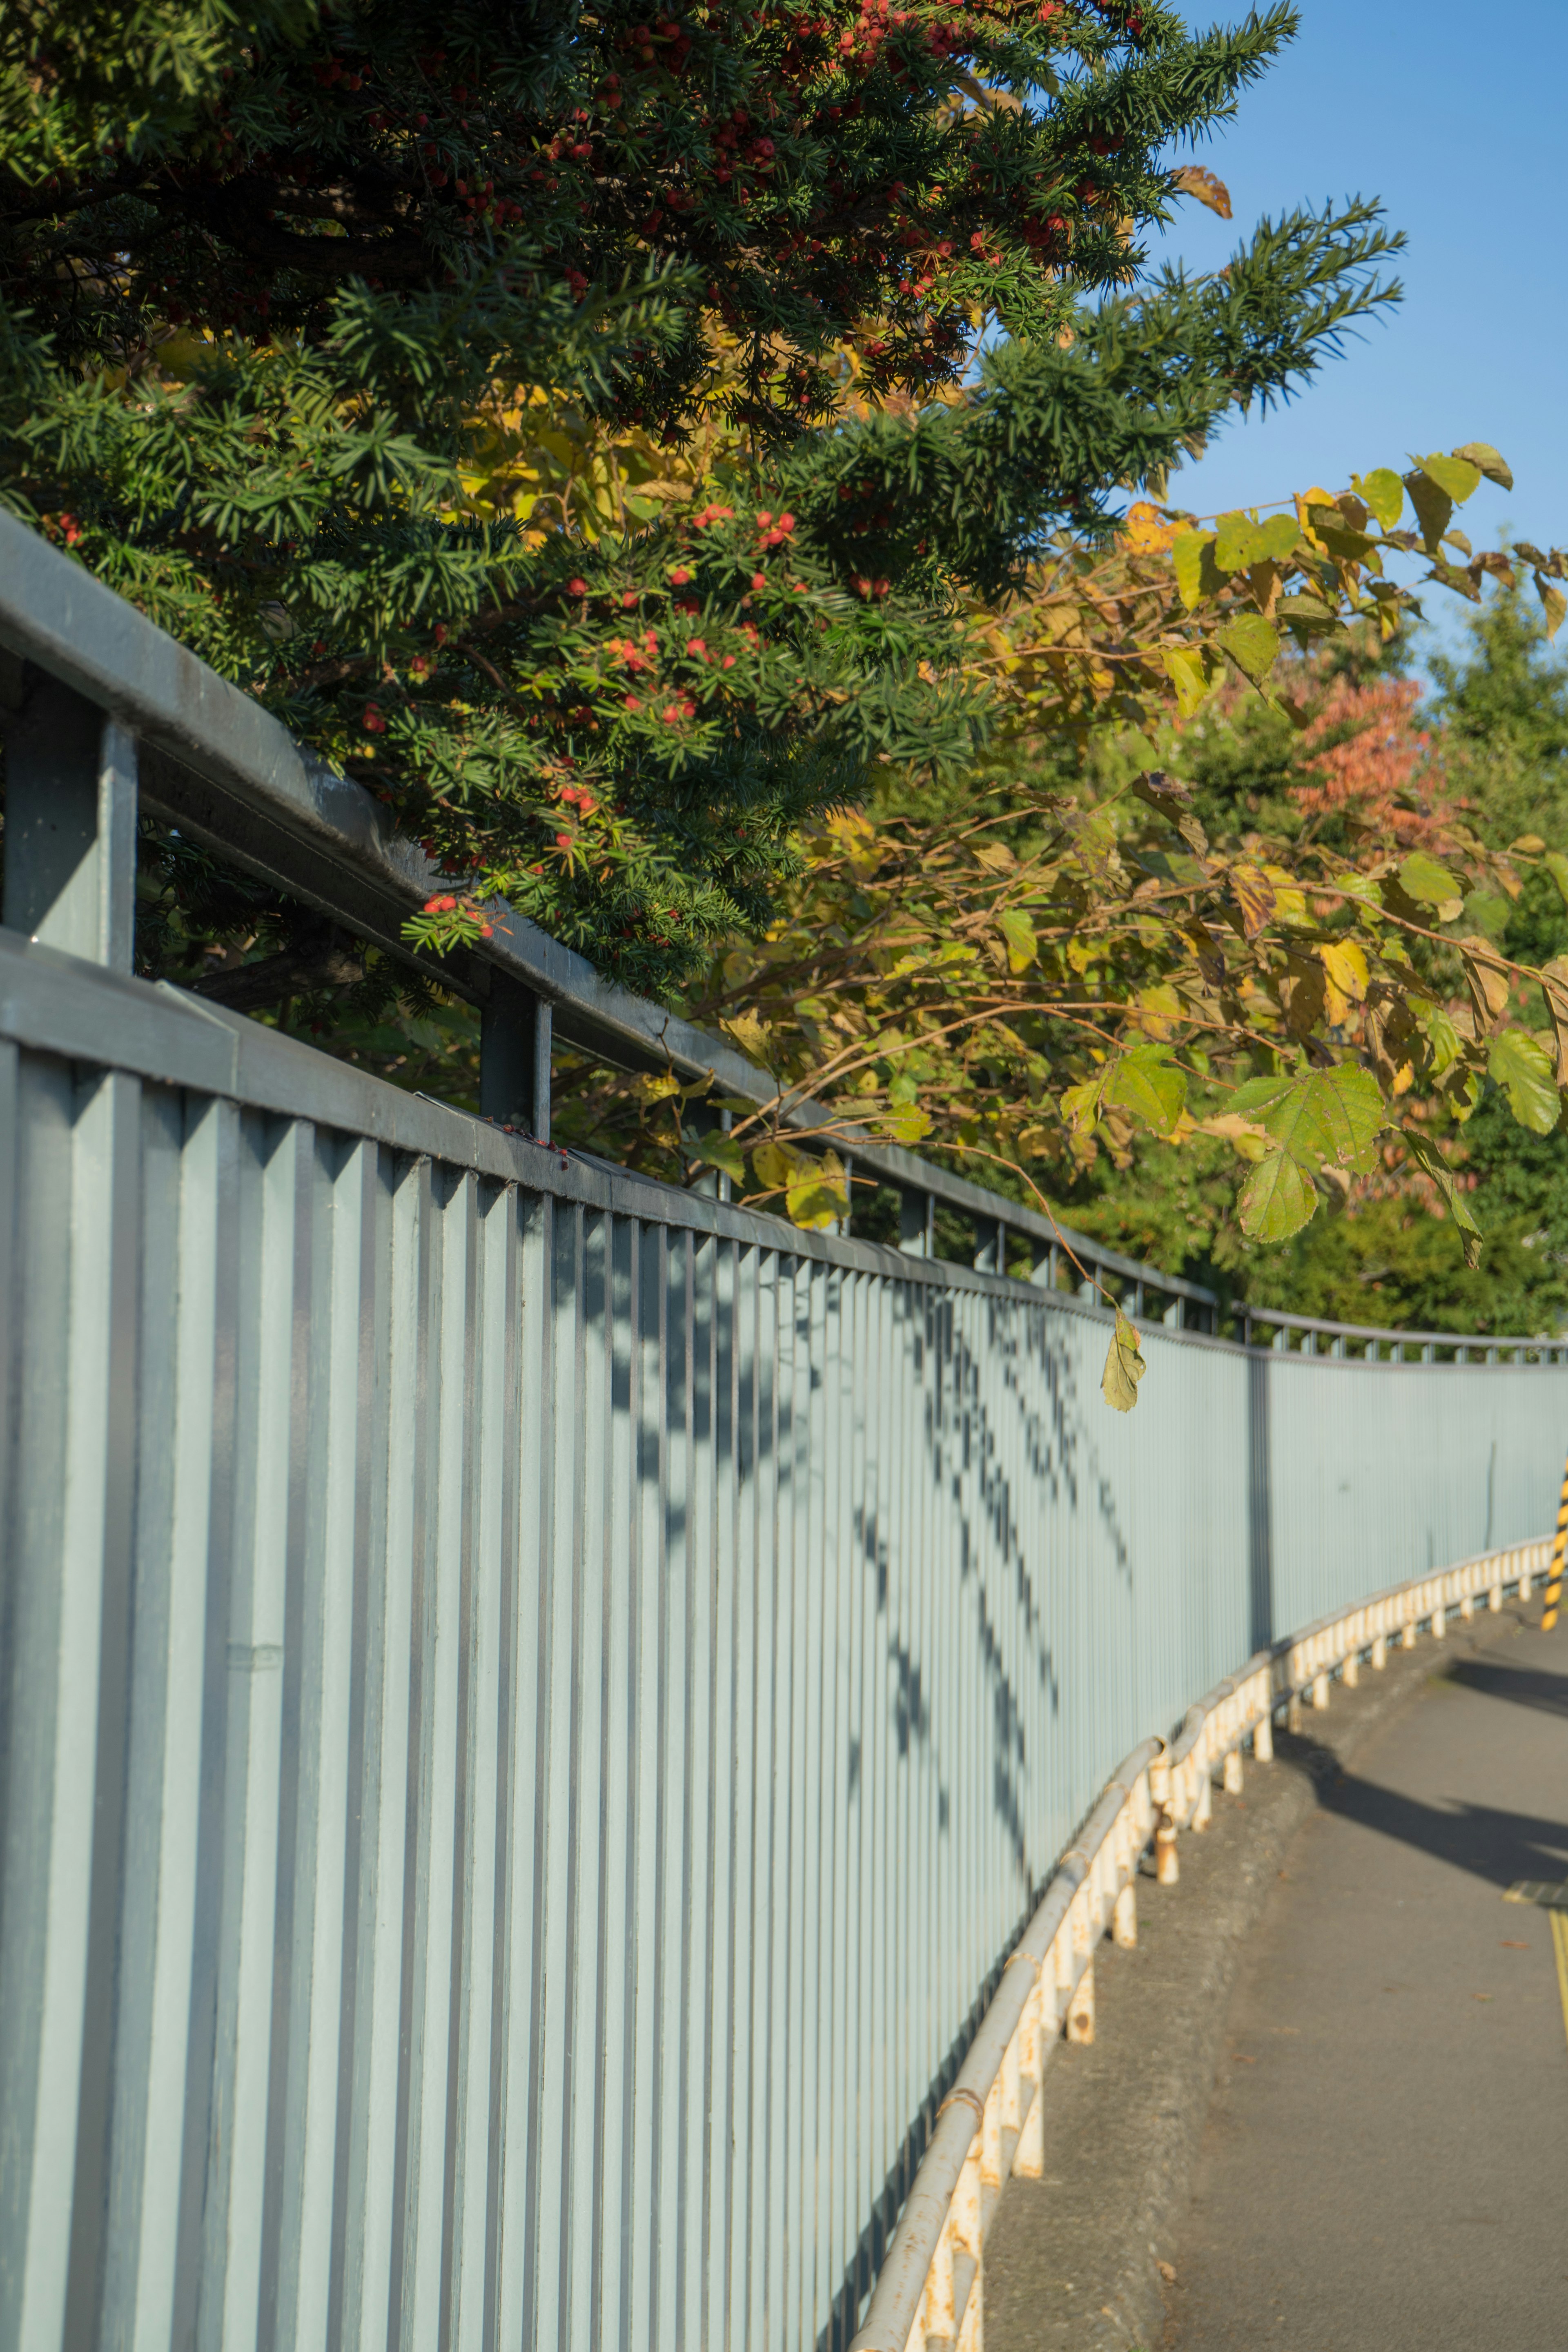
(1485, 460)
(1254, 896)
(1278, 1199)
(1422, 879)
(1488, 978)
(1124, 1367)
(1554, 988)
(1192, 180)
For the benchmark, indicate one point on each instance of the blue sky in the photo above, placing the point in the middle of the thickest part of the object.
(1454, 116)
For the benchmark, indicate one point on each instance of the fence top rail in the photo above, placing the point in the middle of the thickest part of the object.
(226, 771)
(216, 765)
(1395, 1336)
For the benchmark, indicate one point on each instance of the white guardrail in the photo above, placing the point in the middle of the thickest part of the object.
(928, 2295)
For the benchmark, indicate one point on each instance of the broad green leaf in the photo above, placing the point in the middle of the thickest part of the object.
(1554, 604)
(1422, 877)
(910, 1125)
(1187, 673)
(1281, 536)
(719, 1150)
(1456, 475)
(1333, 1114)
(1252, 646)
(1145, 1082)
(1383, 492)
(1276, 1199)
(1080, 1105)
(1187, 561)
(1523, 1069)
(1307, 615)
(1124, 1367)
(1019, 932)
(1485, 460)
(1434, 507)
(1556, 864)
(1238, 543)
(1424, 1151)
(817, 1194)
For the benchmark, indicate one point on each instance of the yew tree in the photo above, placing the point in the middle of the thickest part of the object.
(276, 282)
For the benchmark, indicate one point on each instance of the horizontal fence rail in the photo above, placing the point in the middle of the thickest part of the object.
(535, 1706)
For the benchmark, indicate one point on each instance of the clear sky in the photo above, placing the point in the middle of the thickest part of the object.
(1455, 116)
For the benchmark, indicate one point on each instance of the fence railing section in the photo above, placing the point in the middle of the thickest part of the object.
(534, 1705)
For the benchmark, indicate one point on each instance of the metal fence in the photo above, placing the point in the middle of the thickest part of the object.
(532, 1703)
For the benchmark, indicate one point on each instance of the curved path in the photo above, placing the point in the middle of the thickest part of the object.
(1384, 2167)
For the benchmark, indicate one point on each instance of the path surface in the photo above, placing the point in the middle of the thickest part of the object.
(1385, 2166)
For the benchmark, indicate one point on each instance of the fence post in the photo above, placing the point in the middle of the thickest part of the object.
(917, 1223)
(70, 826)
(514, 1058)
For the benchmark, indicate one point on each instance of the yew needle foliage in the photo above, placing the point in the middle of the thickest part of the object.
(274, 278)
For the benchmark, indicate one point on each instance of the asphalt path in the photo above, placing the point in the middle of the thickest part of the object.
(1385, 2165)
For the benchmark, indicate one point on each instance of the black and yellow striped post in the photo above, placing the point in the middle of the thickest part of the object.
(1554, 1573)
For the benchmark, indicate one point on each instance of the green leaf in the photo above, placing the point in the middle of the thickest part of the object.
(1434, 507)
(1019, 932)
(1485, 460)
(1281, 536)
(910, 1125)
(1238, 543)
(1188, 675)
(1187, 561)
(1277, 1198)
(1422, 877)
(719, 1150)
(1556, 864)
(1124, 1367)
(1332, 1114)
(1383, 492)
(1456, 475)
(1252, 646)
(1525, 1072)
(1426, 1156)
(1147, 1082)
(1554, 604)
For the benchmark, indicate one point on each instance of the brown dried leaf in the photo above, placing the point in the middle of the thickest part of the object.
(1192, 180)
(1488, 978)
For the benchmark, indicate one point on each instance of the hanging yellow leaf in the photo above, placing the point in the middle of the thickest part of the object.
(1554, 604)
(1344, 966)
(818, 1193)
(1187, 673)
(1124, 1367)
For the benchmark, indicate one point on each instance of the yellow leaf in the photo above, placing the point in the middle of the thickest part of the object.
(1345, 967)
(1124, 1367)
